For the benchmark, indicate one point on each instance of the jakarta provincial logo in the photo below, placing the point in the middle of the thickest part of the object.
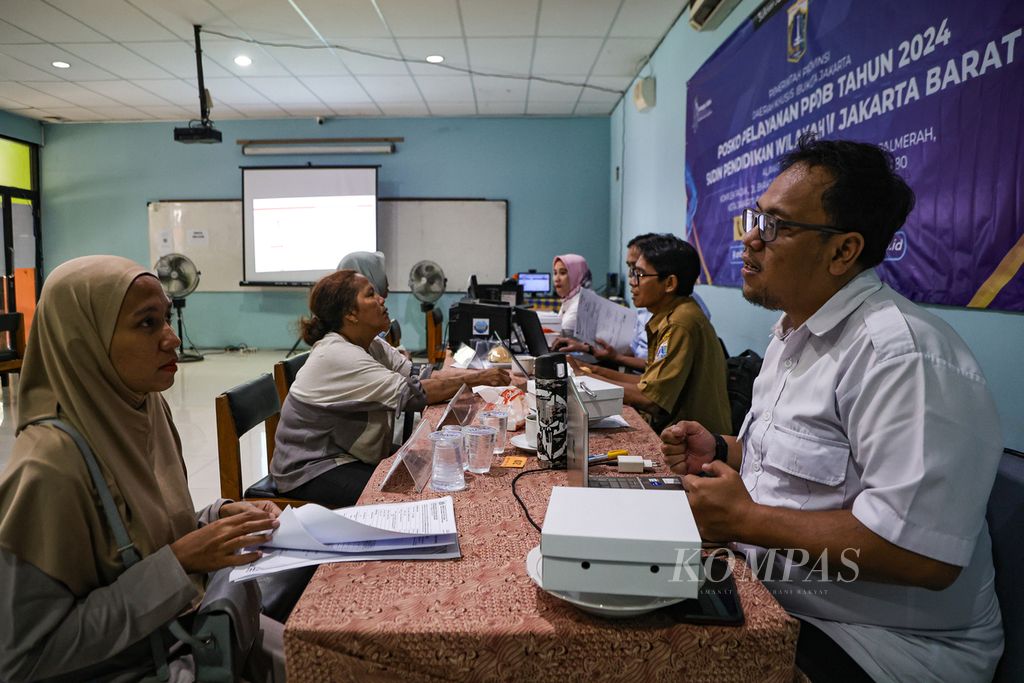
(897, 248)
(481, 326)
(796, 31)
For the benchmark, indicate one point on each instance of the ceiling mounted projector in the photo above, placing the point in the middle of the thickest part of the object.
(202, 134)
(201, 131)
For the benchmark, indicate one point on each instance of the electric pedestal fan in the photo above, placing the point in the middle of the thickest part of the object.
(427, 283)
(179, 277)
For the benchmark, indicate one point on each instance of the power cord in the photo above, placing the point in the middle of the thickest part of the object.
(519, 500)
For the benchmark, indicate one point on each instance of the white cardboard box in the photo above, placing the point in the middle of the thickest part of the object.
(622, 542)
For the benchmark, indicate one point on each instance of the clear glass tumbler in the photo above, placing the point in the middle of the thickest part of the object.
(478, 446)
(447, 474)
(498, 419)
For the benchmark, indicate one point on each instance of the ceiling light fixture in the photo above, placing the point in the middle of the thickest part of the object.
(435, 59)
(61, 65)
(319, 146)
(243, 60)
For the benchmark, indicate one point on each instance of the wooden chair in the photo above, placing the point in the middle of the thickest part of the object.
(435, 336)
(285, 371)
(238, 411)
(12, 343)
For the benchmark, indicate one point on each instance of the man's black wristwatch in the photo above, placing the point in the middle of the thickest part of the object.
(721, 448)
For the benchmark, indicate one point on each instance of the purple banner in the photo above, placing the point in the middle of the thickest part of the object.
(937, 82)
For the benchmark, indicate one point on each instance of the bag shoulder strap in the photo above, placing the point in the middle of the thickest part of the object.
(125, 546)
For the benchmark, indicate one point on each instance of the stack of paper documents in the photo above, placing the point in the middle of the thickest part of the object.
(311, 534)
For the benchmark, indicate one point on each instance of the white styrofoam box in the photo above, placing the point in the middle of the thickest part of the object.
(600, 398)
(621, 542)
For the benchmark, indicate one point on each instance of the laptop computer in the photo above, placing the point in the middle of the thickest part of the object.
(578, 450)
(527, 327)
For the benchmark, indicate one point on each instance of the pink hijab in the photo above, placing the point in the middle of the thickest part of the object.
(578, 271)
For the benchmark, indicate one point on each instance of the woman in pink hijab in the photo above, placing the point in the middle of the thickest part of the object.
(571, 274)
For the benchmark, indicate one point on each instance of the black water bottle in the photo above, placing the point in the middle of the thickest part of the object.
(552, 376)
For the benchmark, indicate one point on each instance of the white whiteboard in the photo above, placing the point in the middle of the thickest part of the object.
(464, 236)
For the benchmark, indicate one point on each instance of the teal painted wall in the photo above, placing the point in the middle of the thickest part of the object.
(20, 128)
(650, 196)
(97, 179)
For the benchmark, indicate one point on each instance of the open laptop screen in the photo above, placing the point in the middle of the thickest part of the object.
(577, 438)
(529, 329)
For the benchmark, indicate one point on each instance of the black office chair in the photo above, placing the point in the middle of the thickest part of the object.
(238, 411)
(1005, 520)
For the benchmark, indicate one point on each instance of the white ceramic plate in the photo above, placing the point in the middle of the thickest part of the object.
(519, 441)
(603, 605)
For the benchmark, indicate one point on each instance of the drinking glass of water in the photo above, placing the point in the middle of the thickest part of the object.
(478, 444)
(447, 473)
(497, 418)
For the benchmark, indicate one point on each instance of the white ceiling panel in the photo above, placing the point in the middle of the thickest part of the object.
(141, 52)
(232, 91)
(438, 89)
(177, 58)
(499, 18)
(168, 112)
(549, 108)
(356, 19)
(623, 56)
(72, 93)
(29, 97)
(179, 16)
(116, 59)
(16, 70)
(124, 92)
(453, 109)
(315, 61)
(502, 108)
(121, 114)
(646, 18)
(45, 22)
(12, 34)
(115, 19)
(274, 20)
(223, 53)
(416, 49)
(336, 90)
(391, 89)
(69, 114)
(367, 65)
(592, 109)
(174, 90)
(283, 90)
(501, 55)
(412, 18)
(404, 109)
(42, 56)
(577, 17)
(500, 90)
(565, 56)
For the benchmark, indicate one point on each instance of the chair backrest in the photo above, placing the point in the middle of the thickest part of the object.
(394, 335)
(285, 371)
(435, 340)
(12, 341)
(238, 411)
(1005, 521)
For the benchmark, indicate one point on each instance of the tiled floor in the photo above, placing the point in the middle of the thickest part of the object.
(191, 401)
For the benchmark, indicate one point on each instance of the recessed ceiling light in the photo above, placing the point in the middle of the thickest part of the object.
(242, 60)
(61, 65)
(435, 59)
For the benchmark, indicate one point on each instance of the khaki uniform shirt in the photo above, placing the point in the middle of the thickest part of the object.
(685, 372)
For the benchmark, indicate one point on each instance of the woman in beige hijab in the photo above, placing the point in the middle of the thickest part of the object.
(100, 352)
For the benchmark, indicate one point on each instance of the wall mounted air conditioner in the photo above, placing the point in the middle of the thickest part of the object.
(706, 15)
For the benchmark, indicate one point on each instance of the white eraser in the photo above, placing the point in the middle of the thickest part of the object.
(630, 463)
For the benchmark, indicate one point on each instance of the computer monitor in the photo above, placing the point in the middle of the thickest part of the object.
(471, 320)
(528, 329)
(535, 283)
(509, 292)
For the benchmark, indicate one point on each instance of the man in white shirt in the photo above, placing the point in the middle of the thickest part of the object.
(867, 458)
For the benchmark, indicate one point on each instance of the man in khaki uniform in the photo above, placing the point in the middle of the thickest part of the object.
(685, 373)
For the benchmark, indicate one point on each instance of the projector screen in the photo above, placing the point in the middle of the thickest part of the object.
(298, 222)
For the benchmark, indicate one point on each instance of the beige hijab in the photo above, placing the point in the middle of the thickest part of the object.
(49, 513)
